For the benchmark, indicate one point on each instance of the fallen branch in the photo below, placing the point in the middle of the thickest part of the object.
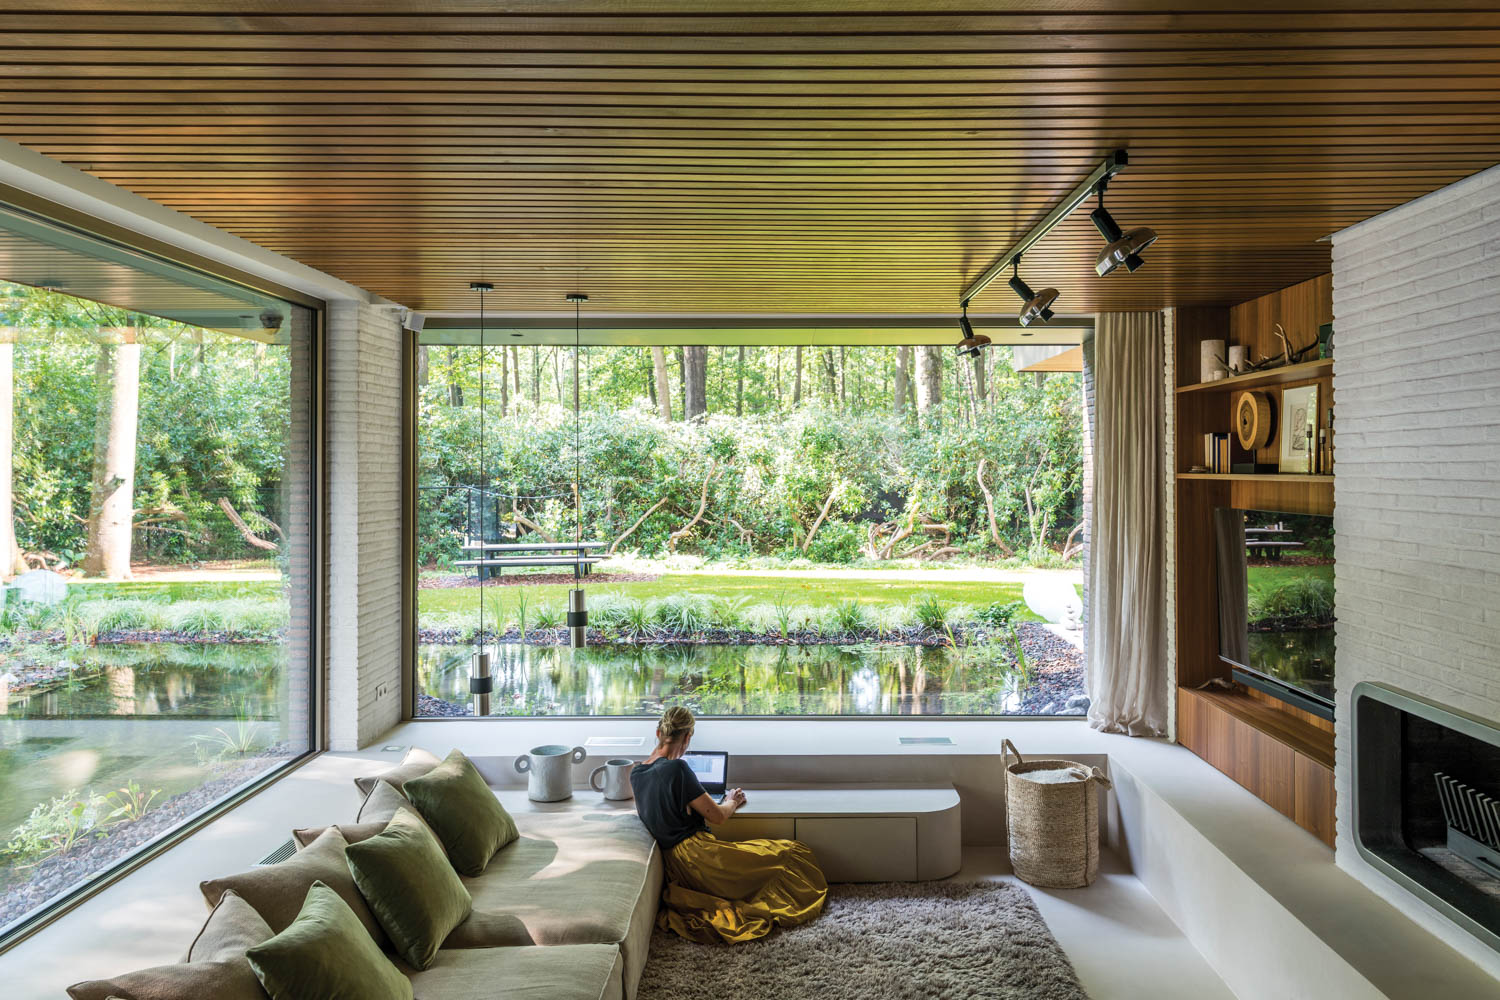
(822, 516)
(686, 529)
(639, 521)
(1069, 550)
(244, 529)
(989, 507)
(531, 526)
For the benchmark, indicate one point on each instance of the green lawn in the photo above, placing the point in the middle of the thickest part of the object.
(819, 592)
(176, 590)
(1263, 579)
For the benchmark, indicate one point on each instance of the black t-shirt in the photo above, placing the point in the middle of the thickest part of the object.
(663, 790)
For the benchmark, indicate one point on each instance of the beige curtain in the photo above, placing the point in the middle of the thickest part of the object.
(1127, 676)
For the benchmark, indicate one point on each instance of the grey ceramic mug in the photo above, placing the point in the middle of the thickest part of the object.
(616, 775)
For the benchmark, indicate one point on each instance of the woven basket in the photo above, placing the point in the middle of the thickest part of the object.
(1054, 828)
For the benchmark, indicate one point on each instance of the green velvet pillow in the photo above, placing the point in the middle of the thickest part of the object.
(410, 886)
(326, 954)
(463, 812)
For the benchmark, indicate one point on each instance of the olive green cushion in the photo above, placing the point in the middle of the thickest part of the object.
(277, 891)
(215, 965)
(463, 812)
(410, 886)
(415, 763)
(378, 808)
(326, 955)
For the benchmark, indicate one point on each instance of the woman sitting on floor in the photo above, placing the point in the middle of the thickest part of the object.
(717, 890)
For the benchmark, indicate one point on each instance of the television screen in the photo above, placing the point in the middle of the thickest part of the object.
(1276, 602)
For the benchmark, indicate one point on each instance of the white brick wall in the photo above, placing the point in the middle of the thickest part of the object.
(1416, 302)
(364, 523)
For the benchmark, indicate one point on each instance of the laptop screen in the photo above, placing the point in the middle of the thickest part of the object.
(711, 767)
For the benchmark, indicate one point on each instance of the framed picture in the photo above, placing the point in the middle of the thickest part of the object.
(1299, 428)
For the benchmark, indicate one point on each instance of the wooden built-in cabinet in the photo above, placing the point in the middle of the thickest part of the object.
(1283, 755)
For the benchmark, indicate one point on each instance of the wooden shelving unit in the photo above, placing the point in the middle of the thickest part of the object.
(1269, 477)
(1304, 372)
(1280, 753)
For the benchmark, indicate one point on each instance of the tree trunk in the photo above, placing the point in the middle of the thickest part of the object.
(981, 387)
(797, 379)
(903, 379)
(830, 372)
(10, 553)
(929, 381)
(663, 383)
(536, 376)
(695, 379)
(117, 375)
(515, 367)
(504, 381)
(423, 363)
(739, 384)
(843, 377)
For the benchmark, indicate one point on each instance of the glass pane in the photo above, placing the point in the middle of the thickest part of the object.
(155, 630)
(821, 539)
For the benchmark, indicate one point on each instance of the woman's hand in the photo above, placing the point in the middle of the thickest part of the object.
(736, 796)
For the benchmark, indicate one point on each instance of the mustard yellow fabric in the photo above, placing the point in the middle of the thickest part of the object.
(734, 891)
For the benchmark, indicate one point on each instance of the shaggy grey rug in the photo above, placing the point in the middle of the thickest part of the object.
(897, 940)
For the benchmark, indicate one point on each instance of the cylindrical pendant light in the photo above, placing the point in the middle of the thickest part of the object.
(578, 611)
(481, 683)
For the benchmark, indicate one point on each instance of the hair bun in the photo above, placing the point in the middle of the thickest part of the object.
(676, 722)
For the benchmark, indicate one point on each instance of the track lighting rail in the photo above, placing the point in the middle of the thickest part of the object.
(1112, 164)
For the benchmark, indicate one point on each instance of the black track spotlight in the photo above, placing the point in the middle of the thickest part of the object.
(973, 342)
(1038, 305)
(1124, 248)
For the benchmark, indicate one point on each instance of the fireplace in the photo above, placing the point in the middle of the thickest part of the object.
(1427, 803)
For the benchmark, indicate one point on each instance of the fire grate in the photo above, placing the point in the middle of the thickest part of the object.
(1473, 820)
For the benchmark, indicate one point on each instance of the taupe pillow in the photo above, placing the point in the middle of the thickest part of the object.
(325, 954)
(410, 886)
(455, 801)
(277, 891)
(215, 965)
(379, 806)
(416, 763)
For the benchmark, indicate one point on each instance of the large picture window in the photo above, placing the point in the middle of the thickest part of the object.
(157, 462)
(758, 530)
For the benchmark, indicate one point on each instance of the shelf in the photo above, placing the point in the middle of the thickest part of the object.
(1265, 477)
(1275, 376)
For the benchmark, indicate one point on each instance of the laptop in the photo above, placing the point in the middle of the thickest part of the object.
(711, 767)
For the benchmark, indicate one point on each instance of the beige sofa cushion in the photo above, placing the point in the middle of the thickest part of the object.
(574, 878)
(215, 965)
(374, 813)
(577, 972)
(416, 763)
(277, 891)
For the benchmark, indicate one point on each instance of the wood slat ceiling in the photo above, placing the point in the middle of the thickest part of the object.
(761, 155)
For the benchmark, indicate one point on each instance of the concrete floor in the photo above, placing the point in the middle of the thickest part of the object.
(1120, 941)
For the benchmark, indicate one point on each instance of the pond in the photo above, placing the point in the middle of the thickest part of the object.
(171, 717)
(1303, 657)
(867, 679)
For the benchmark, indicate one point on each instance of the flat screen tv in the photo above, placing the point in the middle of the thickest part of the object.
(1275, 574)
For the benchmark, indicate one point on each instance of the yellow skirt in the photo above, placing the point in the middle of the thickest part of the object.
(734, 891)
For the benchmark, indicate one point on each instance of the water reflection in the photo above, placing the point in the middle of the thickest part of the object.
(1302, 657)
(863, 679)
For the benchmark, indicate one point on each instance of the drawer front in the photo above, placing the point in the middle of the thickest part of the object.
(756, 828)
(863, 848)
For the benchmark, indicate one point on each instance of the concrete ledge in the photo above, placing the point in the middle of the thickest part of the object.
(1262, 899)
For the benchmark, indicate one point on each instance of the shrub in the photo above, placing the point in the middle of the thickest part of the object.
(114, 616)
(849, 616)
(685, 614)
(199, 616)
(727, 612)
(550, 616)
(1305, 599)
(999, 615)
(930, 613)
(55, 826)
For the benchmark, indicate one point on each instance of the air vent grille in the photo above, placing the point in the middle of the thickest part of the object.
(279, 855)
(615, 741)
(926, 741)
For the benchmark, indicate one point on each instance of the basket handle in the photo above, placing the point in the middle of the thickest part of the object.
(1007, 748)
(1097, 776)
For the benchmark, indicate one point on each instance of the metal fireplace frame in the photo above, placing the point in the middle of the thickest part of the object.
(1365, 787)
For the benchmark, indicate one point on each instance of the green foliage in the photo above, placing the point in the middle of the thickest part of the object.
(56, 826)
(1001, 614)
(1304, 599)
(235, 741)
(549, 616)
(130, 802)
(685, 614)
(849, 616)
(930, 613)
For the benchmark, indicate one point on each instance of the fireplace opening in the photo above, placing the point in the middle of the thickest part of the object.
(1427, 803)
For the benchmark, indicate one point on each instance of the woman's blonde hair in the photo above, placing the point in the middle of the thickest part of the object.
(676, 722)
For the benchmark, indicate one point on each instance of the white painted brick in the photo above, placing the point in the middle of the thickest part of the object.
(1416, 301)
(364, 523)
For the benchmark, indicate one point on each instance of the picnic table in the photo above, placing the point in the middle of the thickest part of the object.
(492, 556)
(1262, 541)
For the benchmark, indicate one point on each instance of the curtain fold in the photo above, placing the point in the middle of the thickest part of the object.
(1127, 674)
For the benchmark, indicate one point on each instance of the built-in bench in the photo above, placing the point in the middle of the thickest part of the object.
(513, 554)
